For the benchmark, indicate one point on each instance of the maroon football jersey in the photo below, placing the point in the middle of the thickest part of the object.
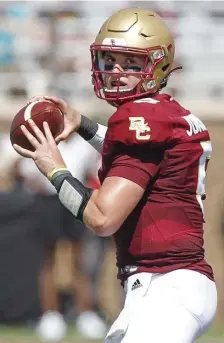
(162, 147)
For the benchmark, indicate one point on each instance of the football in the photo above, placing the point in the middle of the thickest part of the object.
(38, 111)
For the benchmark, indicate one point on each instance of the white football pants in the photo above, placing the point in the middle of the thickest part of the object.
(176, 307)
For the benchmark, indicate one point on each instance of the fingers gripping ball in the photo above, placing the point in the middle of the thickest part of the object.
(38, 111)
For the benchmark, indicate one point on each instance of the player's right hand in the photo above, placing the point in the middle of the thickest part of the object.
(72, 118)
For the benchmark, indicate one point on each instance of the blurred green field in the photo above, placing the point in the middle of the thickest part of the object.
(13, 334)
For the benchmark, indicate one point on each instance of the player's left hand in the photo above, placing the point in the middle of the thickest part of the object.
(46, 155)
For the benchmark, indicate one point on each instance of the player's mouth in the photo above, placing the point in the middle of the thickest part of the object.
(118, 84)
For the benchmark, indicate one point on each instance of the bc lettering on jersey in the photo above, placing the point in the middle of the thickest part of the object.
(141, 128)
(195, 124)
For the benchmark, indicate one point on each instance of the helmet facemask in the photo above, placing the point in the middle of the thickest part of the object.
(148, 83)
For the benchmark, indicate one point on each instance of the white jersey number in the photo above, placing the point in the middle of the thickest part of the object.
(203, 161)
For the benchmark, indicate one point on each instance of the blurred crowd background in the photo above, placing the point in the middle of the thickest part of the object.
(53, 271)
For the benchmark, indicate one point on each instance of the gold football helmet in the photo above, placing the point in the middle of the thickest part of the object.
(138, 32)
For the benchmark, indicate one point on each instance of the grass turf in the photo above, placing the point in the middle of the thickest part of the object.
(22, 334)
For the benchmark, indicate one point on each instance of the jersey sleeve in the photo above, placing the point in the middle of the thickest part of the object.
(137, 165)
(138, 137)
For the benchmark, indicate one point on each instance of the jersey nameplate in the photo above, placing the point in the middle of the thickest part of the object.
(195, 124)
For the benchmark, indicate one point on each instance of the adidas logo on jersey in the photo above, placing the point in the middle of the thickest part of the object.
(136, 284)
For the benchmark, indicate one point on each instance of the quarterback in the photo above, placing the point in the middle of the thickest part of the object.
(154, 159)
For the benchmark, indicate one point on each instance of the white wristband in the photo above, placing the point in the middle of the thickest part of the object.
(98, 139)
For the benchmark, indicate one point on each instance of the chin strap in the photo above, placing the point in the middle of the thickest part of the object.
(174, 69)
(164, 82)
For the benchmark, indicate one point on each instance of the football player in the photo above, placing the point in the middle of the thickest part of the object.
(154, 160)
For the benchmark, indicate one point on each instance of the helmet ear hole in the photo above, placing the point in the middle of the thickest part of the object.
(165, 67)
